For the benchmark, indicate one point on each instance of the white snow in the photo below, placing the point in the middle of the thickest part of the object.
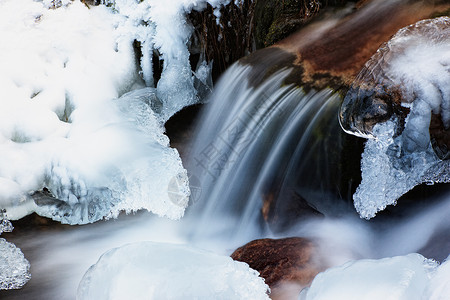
(163, 26)
(149, 270)
(420, 64)
(60, 125)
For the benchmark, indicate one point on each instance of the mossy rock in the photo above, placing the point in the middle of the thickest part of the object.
(276, 19)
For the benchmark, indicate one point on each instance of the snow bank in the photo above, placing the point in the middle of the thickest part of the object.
(411, 71)
(396, 278)
(150, 270)
(64, 133)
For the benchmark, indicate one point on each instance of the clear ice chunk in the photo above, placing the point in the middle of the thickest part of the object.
(387, 173)
(14, 268)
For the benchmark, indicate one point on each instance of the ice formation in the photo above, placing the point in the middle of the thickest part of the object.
(14, 268)
(439, 286)
(397, 278)
(393, 100)
(70, 147)
(149, 270)
(387, 175)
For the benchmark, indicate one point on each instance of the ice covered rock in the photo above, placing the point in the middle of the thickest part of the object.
(396, 278)
(70, 148)
(401, 99)
(410, 73)
(149, 270)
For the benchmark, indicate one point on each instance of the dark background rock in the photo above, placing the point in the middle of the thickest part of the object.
(276, 19)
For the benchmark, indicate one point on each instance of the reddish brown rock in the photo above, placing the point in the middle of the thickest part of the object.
(331, 51)
(287, 265)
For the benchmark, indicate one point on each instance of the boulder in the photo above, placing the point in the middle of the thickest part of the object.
(330, 51)
(287, 265)
(407, 76)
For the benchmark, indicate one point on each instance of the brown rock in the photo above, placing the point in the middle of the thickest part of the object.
(330, 51)
(287, 265)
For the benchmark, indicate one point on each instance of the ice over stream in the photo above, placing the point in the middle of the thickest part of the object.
(416, 62)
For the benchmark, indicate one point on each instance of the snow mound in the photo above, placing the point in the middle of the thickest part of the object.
(150, 270)
(439, 287)
(396, 278)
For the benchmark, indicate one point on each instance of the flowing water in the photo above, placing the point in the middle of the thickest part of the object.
(249, 134)
(265, 160)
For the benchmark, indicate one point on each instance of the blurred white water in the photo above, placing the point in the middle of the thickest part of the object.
(60, 259)
(269, 129)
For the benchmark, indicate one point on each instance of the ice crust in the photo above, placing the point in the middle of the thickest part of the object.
(149, 270)
(416, 61)
(387, 173)
(70, 147)
(439, 286)
(14, 268)
(407, 277)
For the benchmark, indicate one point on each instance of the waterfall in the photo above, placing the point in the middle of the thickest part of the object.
(268, 151)
(230, 208)
(267, 159)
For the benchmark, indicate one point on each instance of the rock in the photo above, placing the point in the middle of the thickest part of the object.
(287, 265)
(330, 51)
(384, 89)
(222, 40)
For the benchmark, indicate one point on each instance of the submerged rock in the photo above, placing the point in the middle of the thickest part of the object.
(287, 265)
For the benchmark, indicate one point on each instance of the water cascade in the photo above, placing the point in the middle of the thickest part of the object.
(267, 159)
